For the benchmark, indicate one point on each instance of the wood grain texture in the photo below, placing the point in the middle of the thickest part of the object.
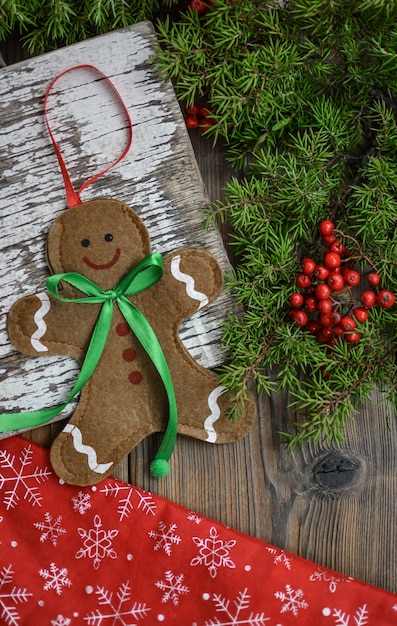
(337, 507)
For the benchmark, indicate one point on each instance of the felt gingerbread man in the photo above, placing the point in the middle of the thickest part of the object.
(125, 399)
(116, 308)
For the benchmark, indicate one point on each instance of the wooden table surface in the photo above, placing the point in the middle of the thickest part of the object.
(335, 507)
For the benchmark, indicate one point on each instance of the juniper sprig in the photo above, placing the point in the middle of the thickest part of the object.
(305, 97)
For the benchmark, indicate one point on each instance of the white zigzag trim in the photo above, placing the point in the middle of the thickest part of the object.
(92, 461)
(189, 282)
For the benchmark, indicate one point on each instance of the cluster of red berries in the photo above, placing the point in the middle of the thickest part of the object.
(199, 117)
(326, 306)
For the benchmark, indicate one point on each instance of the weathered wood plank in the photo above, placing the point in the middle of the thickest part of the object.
(159, 178)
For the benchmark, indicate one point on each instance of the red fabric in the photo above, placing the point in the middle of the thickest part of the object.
(116, 555)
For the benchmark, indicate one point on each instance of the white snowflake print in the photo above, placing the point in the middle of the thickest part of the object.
(292, 600)
(55, 578)
(360, 617)
(333, 579)
(10, 597)
(213, 552)
(18, 476)
(237, 612)
(193, 517)
(165, 537)
(280, 557)
(173, 587)
(145, 501)
(97, 543)
(51, 528)
(81, 502)
(115, 611)
(60, 620)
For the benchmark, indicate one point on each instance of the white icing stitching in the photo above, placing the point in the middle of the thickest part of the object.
(40, 323)
(99, 468)
(215, 413)
(189, 281)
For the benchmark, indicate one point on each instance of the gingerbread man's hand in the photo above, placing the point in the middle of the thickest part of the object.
(192, 279)
(40, 325)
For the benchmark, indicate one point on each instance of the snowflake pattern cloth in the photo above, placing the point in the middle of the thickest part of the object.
(113, 554)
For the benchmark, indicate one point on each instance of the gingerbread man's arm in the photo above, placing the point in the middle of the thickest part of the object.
(40, 325)
(192, 279)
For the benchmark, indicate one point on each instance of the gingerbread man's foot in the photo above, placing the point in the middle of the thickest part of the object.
(75, 461)
(213, 423)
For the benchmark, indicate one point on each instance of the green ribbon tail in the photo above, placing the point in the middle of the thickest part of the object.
(31, 419)
(148, 339)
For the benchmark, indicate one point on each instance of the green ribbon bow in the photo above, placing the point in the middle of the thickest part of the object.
(142, 276)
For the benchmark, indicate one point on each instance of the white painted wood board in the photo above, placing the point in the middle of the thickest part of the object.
(159, 179)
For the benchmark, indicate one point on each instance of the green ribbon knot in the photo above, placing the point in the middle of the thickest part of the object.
(141, 277)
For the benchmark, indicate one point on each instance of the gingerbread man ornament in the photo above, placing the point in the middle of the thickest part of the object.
(124, 400)
(109, 290)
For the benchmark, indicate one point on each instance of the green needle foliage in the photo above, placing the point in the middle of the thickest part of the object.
(305, 98)
(47, 24)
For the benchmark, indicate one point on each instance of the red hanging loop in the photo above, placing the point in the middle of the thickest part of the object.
(73, 196)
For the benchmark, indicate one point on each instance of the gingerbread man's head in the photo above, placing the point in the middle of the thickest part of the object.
(100, 239)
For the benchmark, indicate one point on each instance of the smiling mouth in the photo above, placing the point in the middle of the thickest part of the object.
(104, 266)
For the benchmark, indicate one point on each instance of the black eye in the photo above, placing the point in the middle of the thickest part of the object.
(108, 237)
(85, 243)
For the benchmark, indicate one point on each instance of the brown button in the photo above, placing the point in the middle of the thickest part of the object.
(129, 354)
(135, 378)
(122, 329)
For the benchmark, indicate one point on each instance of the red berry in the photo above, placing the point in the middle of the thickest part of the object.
(336, 317)
(325, 319)
(321, 272)
(322, 291)
(325, 305)
(192, 121)
(313, 327)
(296, 300)
(352, 278)
(311, 304)
(204, 112)
(308, 266)
(352, 337)
(323, 337)
(373, 279)
(326, 227)
(192, 110)
(330, 239)
(198, 5)
(335, 281)
(327, 331)
(368, 298)
(360, 313)
(331, 260)
(206, 124)
(347, 323)
(385, 298)
(338, 330)
(300, 318)
(303, 281)
(337, 246)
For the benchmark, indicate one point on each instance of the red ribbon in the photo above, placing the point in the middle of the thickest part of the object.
(73, 196)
